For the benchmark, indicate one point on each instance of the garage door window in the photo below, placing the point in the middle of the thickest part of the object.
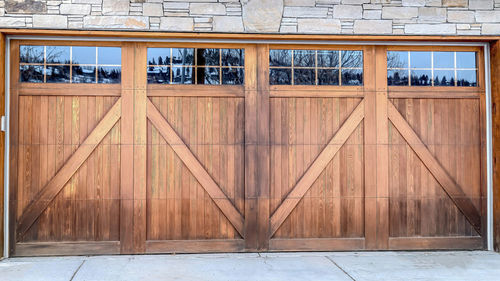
(196, 66)
(69, 64)
(315, 67)
(416, 68)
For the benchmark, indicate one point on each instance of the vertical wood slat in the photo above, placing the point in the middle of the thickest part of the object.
(382, 170)
(2, 139)
(127, 150)
(495, 95)
(253, 204)
(370, 149)
(140, 148)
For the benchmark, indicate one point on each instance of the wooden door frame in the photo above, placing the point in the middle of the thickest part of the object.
(257, 152)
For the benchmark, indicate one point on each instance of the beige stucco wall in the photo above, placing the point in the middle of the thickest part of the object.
(411, 17)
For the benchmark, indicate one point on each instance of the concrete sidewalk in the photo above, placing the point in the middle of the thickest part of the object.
(476, 265)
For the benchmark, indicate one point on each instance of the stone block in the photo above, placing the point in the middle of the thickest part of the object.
(115, 7)
(227, 24)
(431, 14)
(355, 2)
(50, 21)
(75, 9)
(491, 29)
(325, 26)
(176, 24)
(176, 5)
(373, 27)
(95, 2)
(347, 12)
(305, 12)
(455, 3)
(301, 3)
(288, 29)
(430, 29)
(413, 3)
(433, 3)
(25, 6)
(207, 9)
(262, 15)
(481, 4)
(399, 12)
(12, 22)
(460, 16)
(116, 22)
(372, 14)
(488, 16)
(152, 9)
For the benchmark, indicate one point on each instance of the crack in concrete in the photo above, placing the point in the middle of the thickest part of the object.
(345, 272)
(76, 271)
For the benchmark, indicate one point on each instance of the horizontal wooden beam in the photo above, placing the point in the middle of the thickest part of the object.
(197, 35)
(67, 248)
(195, 246)
(436, 243)
(317, 244)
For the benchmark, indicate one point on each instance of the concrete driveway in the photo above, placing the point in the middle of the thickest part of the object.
(475, 265)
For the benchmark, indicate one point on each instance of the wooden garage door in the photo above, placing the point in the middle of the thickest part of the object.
(169, 147)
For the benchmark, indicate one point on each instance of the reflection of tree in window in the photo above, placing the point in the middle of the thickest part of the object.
(420, 80)
(394, 61)
(352, 58)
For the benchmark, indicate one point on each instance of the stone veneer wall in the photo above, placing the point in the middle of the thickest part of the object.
(434, 17)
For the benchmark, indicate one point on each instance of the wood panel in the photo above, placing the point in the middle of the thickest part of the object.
(495, 97)
(317, 174)
(192, 194)
(425, 199)
(2, 141)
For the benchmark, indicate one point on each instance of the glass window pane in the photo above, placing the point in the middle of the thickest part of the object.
(328, 58)
(352, 77)
(159, 56)
(420, 60)
(31, 54)
(207, 57)
(304, 58)
(31, 73)
(444, 78)
(352, 58)
(109, 55)
(208, 75)
(109, 74)
(444, 59)
(280, 57)
(83, 74)
(304, 77)
(58, 54)
(233, 76)
(466, 60)
(183, 56)
(159, 75)
(84, 55)
(182, 75)
(233, 57)
(397, 59)
(328, 76)
(57, 73)
(421, 77)
(280, 76)
(467, 78)
(397, 77)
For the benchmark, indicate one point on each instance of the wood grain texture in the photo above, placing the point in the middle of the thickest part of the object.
(316, 168)
(67, 248)
(436, 243)
(495, 97)
(2, 141)
(198, 171)
(454, 191)
(46, 194)
(195, 246)
(317, 244)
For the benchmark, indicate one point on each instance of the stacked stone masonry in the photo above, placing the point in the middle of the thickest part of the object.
(410, 17)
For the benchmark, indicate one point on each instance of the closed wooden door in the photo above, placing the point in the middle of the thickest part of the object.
(169, 147)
